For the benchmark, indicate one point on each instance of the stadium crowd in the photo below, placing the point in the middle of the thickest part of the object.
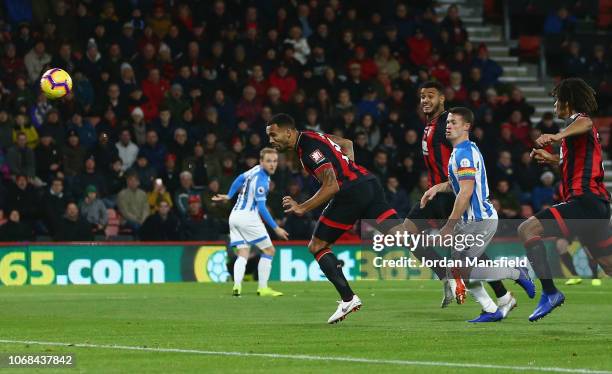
(170, 102)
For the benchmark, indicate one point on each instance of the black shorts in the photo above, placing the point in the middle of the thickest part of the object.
(365, 200)
(585, 217)
(435, 213)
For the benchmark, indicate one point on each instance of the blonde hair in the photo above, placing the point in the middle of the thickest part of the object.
(266, 151)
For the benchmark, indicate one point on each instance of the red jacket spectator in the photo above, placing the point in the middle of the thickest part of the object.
(284, 82)
(369, 69)
(438, 69)
(420, 48)
(155, 88)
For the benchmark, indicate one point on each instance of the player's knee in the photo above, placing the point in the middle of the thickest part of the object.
(529, 229)
(316, 245)
(270, 251)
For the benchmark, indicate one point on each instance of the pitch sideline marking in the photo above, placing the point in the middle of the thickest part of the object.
(311, 358)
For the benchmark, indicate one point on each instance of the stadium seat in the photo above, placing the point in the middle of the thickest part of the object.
(529, 46)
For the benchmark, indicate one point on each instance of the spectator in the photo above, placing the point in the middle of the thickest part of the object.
(133, 203)
(370, 129)
(249, 105)
(126, 150)
(104, 152)
(508, 202)
(160, 226)
(574, 62)
(559, 22)
(93, 210)
(420, 47)
(547, 125)
(35, 61)
(197, 225)
(20, 158)
(544, 194)
(454, 26)
(23, 126)
(54, 205)
(91, 176)
(158, 195)
(23, 197)
(505, 168)
(518, 102)
(459, 90)
(299, 44)
(380, 167)
(217, 209)
(182, 194)
(73, 156)
(72, 228)
(385, 61)
(48, 158)
(397, 196)
(84, 129)
(490, 70)
(14, 230)
(285, 82)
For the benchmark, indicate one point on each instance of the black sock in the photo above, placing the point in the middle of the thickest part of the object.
(331, 267)
(567, 260)
(430, 254)
(593, 265)
(499, 288)
(536, 253)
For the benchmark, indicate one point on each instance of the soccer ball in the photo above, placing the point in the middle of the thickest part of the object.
(55, 83)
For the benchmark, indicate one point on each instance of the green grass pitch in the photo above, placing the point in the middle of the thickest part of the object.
(400, 323)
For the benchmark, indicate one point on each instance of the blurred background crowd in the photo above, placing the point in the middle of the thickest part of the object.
(170, 100)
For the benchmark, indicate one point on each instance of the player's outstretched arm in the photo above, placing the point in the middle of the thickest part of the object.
(236, 185)
(580, 126)
(345, 144)
(329, 187)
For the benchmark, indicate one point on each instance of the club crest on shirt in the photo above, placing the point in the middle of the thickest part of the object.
(464, 163)
(260, 190)
(317, 156)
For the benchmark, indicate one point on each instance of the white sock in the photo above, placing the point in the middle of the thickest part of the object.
(504, 299)
(263, 269)
(239, 269)
(480, 294)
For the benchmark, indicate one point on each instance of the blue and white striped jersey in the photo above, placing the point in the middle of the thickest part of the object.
(466, 163)
(255, 188)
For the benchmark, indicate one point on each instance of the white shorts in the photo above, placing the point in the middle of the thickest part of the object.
(247, 229)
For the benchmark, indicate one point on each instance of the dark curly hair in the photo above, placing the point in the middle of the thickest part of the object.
(576, 93)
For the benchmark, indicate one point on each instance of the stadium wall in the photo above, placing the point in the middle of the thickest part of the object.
(146, 263)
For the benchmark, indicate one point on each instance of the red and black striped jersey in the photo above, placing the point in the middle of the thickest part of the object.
(581, 164)
(316, 152)
(436, 149)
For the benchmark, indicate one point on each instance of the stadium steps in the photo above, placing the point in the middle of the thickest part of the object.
(522, 75)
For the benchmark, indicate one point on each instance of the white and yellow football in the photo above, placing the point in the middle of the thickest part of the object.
(56, 83)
